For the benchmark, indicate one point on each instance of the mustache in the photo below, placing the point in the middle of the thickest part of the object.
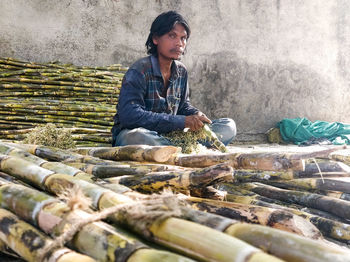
(175, 50)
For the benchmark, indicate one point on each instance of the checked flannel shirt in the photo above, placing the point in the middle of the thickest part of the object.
(141, 103)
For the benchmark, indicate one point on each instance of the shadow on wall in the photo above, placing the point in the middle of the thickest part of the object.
(257, 96)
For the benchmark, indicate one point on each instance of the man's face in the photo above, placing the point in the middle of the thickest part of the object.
(172, 44)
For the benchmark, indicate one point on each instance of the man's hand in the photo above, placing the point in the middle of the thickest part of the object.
(195, 122)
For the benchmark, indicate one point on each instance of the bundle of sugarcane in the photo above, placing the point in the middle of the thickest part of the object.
(217, 247)
(57, 218)
(338, 256)
(69, 96)
(86, 168)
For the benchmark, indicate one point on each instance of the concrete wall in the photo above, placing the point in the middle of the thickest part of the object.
(257, 61)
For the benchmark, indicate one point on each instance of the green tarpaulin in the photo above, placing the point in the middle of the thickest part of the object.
(301, 130)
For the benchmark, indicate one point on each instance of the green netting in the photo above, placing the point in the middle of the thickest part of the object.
(300, 130)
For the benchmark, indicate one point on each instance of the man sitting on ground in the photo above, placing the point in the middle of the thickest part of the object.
(154, 97)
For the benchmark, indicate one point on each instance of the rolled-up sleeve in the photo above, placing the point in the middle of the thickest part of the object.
(132, 109)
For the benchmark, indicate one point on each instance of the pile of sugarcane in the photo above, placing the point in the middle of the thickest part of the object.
(243, 205)
(80, 98)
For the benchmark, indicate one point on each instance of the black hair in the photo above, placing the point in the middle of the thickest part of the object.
(163, 24)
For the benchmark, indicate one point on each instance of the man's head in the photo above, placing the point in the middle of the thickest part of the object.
(168, 35)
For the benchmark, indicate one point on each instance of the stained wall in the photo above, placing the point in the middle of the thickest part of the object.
(256, 61)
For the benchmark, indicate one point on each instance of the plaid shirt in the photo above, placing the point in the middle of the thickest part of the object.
(141, 103)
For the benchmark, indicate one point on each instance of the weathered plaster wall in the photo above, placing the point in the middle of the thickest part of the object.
(256, 61)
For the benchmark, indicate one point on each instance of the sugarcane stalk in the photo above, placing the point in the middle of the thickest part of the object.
(14, 126)
(2, 66)
(102, 100)
(19, 111)
(323, 153)
(180, 181)
(77, 77)
(139, 153)
(260, 161)
(31, 71)
(71, 97)
(27, 241)
(91, 144)
(245, 175)
(56, 93)
(56, 105)
(335, 194)
(92, 138)
(52, 82)
(122, 168)
(104, 171)
(15, 131)
(268, 162)
(56, 154)
(340, 184)
(334, 206)
(13, 137)
(285, 245)
(274, 161)
(81, 118)
(19, 64)
(342, 155)
(213, 140)
(325, 166)
(34, 87)
(83, 122)
(182, 234)
(260, 215)
(77, 130)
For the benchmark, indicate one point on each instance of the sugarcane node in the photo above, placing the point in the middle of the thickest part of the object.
(32, 240)
(6, 223)
(210, 174)
(208, 192)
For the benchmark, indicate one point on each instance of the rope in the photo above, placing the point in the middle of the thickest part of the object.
(146, 211)
(319, 170)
